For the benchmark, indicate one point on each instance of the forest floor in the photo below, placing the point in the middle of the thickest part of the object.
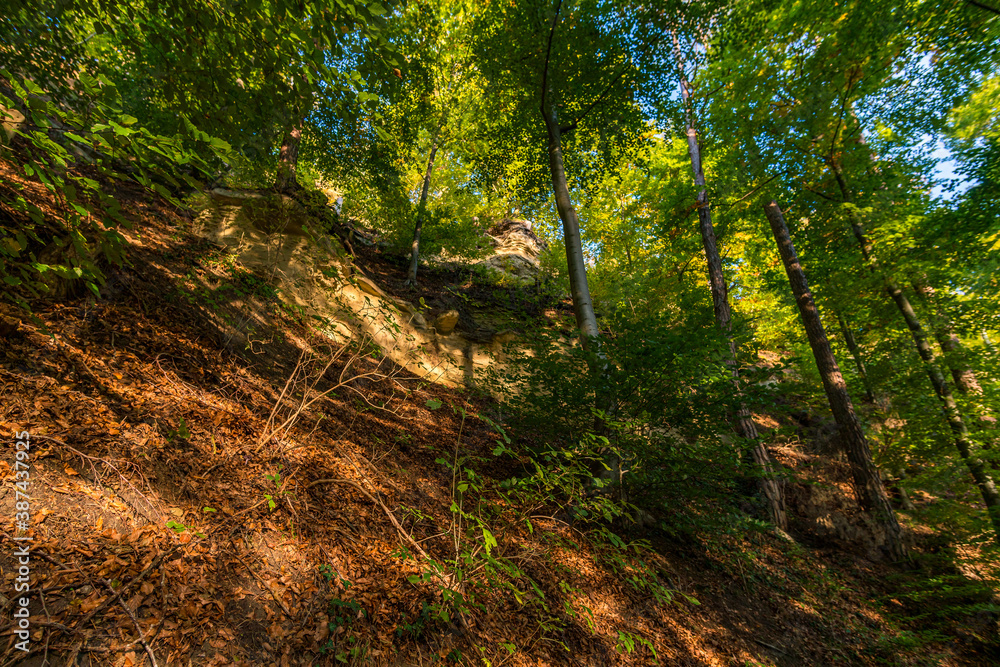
(165, 506)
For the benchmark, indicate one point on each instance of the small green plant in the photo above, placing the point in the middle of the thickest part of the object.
(180, 433)
(344, 641)
(278, 490)
(179, 528)
(628, 641)
(416, 627)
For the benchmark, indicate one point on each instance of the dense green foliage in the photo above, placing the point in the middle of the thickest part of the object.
(833, 109)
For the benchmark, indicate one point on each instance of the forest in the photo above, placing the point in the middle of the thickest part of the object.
(500, 332)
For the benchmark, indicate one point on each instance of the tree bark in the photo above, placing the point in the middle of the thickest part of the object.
(859, 362)
(288, 158)
(583, 304)
(867, 482)
(960, 433)
(745, 426)
(951, 346)
(411, 275)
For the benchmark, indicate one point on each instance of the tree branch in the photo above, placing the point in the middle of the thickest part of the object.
(843, 111)
(824, 196)
(600, 97)
(974, 3)
(548, 55)
(752, 191)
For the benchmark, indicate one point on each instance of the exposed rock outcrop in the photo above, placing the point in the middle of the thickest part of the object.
(517, 251)
(273, 235)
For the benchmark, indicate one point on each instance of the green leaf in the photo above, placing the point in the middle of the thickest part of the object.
(489, 541)
(219, 144)
(33, 87)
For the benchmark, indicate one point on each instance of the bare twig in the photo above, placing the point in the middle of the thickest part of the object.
(142, 575)
(264, 585)
(135, 622)
(770, 646)
(403, 533)
(97, 477)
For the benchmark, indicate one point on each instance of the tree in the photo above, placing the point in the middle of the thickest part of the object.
(745, 426)
(951, 345)
(867, 482)
(250, 75)
(859, 361)
(852, 148)
(411, 274)
(960, 432)
(450, 95)
(569, 57)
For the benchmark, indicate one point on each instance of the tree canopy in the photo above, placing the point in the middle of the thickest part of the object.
(659, 151)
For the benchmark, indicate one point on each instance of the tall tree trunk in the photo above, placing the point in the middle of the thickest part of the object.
(954, 357)
(867, 482)
(745, 426)
(288, 158)
(411, 275)
(951, 346)
(960, 433)
(859, 362)
(583, 304)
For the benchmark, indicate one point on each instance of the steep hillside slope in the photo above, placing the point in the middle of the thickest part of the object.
(216, 480)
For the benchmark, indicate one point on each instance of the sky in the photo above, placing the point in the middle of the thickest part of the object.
(945, 170)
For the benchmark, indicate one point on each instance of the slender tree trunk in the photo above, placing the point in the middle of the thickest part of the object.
(951, 346)
(904, 497)
(745, 426)
(583, 304)
(411, 275)
(859, 362)
(960, 433)
(288, 158)
(954, 357)
(867, 482)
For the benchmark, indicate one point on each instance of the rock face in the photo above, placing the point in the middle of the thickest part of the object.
(278, 240)
(517, 252)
